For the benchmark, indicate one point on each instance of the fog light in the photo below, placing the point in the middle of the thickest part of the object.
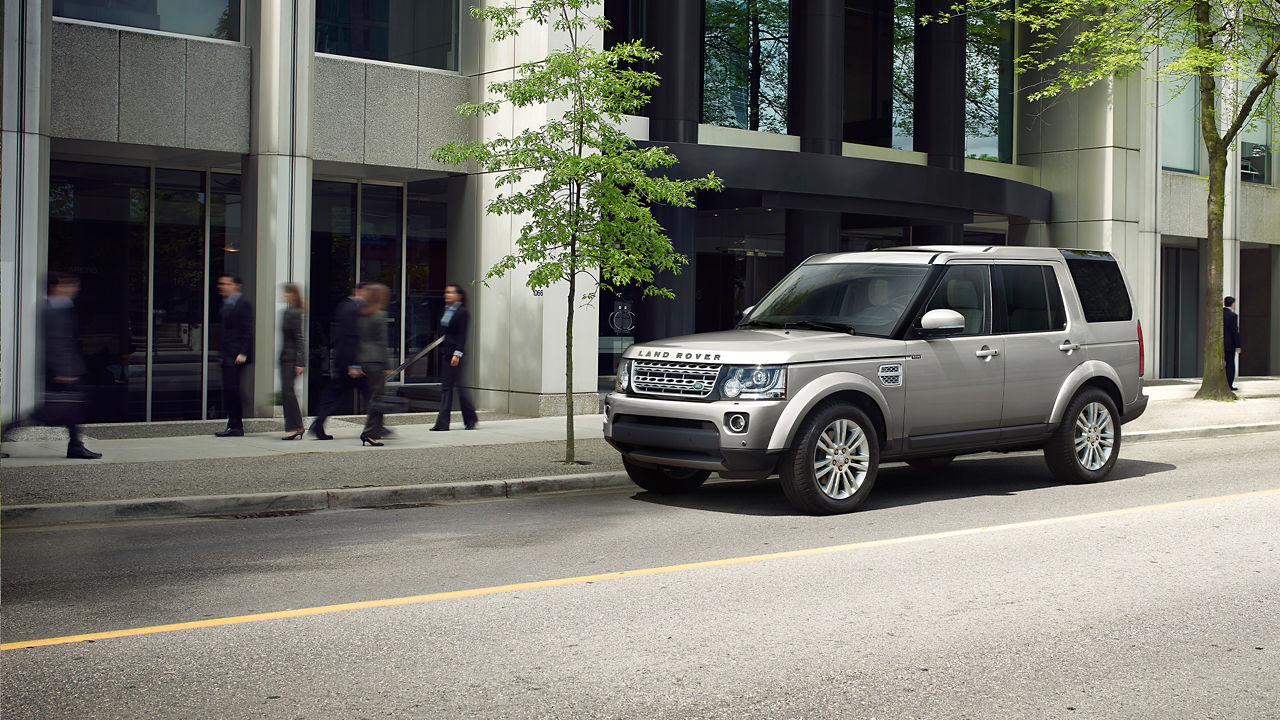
(736, 422)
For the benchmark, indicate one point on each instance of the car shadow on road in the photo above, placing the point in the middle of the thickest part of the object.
(898, 485)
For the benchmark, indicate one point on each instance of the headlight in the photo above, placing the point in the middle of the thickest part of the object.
(755, 382)
(624, 376)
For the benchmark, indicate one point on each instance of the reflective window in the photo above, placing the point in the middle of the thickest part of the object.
(381, 211)
(874, 79)
(988, 106)
(422, 33)
(1179, 121)
(98, 218)
(203, 18)
(426, 239)
(333, 273)
(226, 218)
(745, 64)
(177, 311)
(1255, 138)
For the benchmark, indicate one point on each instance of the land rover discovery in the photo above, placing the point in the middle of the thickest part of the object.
(913, 354)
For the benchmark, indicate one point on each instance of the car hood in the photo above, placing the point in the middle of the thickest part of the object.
(759, 346)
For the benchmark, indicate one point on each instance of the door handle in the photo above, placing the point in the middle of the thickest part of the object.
(987, 352)
(1067, 346)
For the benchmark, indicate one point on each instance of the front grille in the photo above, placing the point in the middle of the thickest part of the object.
(673, 379)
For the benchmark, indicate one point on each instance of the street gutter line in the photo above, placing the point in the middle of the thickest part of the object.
(584, 579)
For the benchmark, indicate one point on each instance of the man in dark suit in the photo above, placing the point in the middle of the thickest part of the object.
(1230, 338)
(237, 349)
(346, 373)
(63, 366)
(454, 323)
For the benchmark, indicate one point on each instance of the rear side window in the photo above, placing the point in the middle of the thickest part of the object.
(1100, 284)
(1032, 300)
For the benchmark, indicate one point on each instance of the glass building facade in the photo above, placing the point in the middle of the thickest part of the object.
(219, 19)
(422, 33)
(746, 56)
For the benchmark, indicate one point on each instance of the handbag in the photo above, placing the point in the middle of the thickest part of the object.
(389, 401)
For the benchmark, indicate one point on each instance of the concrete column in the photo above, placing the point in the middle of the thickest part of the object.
(277, 174)
(24, 199)
(817, 116)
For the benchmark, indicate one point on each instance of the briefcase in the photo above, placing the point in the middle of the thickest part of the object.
(62, 407)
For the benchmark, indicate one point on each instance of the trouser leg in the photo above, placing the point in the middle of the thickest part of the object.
(1231, 367)
(231, 396)
(289, 396)
(448, 376)
(375, 382)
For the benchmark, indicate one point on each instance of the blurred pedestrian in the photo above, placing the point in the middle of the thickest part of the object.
(374, 357)
(1230, 338)
(293, 358)
(345, 374)
(237, 350)
(63, 401)
(454, 324)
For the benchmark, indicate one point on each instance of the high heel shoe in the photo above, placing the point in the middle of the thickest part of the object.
(296, 434)
(368, 440)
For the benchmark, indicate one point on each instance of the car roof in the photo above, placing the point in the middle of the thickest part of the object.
(935, 254)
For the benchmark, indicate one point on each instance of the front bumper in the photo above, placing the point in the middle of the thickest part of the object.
(692, 434)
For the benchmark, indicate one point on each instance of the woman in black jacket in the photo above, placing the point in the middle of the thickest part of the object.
(453, 324)
(293, 359)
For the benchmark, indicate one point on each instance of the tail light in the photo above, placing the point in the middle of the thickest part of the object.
(1142, 352)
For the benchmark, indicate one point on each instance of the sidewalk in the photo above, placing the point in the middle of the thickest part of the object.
(151, 470)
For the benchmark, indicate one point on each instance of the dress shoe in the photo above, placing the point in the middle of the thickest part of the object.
(472, 426)
(82, 453)
(369, 440)
(320, 434)
(435, 428)
(230, 432)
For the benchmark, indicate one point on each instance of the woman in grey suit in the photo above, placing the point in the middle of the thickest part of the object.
(293, 359)
(372, 356)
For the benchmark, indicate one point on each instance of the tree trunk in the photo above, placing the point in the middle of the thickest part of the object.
(1214, 386)
(568, 374)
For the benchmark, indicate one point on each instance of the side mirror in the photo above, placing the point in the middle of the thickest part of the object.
(940, 323)
(746, 312)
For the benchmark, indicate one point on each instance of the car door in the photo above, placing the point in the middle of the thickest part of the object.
(1039, 348)
(956, 384)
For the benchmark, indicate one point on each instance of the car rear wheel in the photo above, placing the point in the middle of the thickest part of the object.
(833, 461)
(665, 479)
(1086, 444)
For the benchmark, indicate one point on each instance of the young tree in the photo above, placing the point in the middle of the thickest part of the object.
(582, 185)
(1226, 51)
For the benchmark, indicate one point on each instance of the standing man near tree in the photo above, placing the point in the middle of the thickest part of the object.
(1230, 338)
(237, 350)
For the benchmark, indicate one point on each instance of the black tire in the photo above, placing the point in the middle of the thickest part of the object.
(665, 479)
(840, 438)
(1084, 447)
(931, 464)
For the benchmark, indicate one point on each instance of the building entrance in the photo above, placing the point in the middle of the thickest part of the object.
(146, 244)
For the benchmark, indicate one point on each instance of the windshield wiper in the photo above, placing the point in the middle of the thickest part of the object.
(822, 325)
(760, 323)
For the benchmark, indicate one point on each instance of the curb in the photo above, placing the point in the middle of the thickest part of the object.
(21, 516)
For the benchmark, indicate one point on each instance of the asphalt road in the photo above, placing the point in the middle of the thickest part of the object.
(986, 591)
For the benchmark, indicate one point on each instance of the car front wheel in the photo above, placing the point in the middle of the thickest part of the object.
(832, 462)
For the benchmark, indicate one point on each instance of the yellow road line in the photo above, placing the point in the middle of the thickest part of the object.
(582, 579)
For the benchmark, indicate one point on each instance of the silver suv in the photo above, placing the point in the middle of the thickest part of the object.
(915, 354)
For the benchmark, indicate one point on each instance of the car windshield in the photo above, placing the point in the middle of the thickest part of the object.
(859, 298)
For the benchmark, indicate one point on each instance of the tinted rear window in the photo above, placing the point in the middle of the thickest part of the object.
(1100, 285)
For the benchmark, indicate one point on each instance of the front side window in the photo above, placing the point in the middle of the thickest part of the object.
(746, 44)
(866, 299)
(422, 33)
(967, 290)
(203, 18)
